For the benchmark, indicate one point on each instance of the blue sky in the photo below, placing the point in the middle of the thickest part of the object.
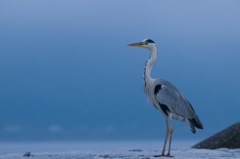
(67, 73)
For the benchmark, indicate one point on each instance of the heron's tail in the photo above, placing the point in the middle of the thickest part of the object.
(195, 122)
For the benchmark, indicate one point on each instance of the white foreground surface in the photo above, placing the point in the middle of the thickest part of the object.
(109, 150)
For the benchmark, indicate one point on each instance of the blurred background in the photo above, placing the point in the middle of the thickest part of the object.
(66, 72)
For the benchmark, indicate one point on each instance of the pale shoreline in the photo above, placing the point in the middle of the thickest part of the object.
(64, 146)
(113, 150)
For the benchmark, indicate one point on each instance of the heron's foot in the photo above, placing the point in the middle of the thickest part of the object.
(168, 155)
(162, 155)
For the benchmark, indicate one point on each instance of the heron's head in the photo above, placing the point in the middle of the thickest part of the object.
(146, 43)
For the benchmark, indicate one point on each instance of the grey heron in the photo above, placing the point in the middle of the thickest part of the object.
(166, 97)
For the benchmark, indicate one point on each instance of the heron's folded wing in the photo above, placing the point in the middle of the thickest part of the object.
(169, 96)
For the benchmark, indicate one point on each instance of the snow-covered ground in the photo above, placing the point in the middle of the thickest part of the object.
(109, 150)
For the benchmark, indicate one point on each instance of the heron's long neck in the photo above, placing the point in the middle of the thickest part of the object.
(149, 65)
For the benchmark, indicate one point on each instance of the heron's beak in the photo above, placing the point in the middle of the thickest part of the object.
(139, 44)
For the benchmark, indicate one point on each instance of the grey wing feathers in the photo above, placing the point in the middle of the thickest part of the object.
(167, 95)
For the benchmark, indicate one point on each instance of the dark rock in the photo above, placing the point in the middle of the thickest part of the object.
(105, 156)
(227, 138)
(28, 154)
(135, 150)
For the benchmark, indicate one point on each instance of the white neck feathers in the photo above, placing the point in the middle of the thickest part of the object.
(149, 63)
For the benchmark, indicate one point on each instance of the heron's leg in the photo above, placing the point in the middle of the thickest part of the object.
(165, 141)
(170, 140)
(166, 137)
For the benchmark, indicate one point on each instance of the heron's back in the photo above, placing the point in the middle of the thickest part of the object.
(167, 98)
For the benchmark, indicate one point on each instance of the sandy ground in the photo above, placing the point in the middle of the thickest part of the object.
(113, 150)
